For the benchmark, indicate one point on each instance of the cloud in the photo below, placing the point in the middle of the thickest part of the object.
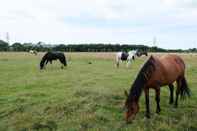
(60, 21)
(181, 3)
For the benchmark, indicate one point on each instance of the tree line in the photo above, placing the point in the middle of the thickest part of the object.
(92, 47)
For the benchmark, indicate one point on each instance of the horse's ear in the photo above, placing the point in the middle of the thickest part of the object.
(152, 57)
(126, 93)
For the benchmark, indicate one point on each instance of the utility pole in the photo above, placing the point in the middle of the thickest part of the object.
(7, 38)
(154, 41)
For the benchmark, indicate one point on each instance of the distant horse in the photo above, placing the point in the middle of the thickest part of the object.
(50, 56)
(157, 72)
(140, 53)
(124, 56)
(33, 52)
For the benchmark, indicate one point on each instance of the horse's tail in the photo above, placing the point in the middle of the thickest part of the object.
(43, 61)
(184, 89)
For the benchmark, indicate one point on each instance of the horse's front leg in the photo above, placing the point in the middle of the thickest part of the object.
(46, 62)
(146, 91)
(117, 63)
(157, 98)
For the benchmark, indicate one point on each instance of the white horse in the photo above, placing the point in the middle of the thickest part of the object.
(123, 56)
(33, 52)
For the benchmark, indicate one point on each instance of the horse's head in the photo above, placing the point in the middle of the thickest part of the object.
(131, 107)
(146, 53)
(64, 62)
(42, 64)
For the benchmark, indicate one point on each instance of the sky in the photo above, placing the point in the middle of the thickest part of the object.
(173, 23)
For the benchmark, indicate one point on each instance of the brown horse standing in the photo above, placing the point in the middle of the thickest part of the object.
(155, 73)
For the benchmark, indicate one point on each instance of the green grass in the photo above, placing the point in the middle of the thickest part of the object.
(83, 96)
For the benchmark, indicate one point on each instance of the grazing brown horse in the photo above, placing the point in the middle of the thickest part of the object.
(155, 73)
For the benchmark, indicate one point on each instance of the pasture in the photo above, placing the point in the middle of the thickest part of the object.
(84, 96)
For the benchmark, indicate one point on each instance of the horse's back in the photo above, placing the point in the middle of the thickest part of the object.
(55, 54)
(173, 62)
(174, 67)
(118, 55)
(168, 69)
(122, 56)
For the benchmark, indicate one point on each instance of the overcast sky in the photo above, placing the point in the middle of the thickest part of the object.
(172, 22)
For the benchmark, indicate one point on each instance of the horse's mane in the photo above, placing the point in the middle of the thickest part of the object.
(142, 78)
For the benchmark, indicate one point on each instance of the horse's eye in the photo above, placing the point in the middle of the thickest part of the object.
(131, 108)
(125, 109)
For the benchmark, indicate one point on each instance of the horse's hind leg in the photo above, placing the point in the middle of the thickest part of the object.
(177, 92)
(171, 87)
(117, 64)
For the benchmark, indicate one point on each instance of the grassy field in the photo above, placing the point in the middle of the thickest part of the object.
(84, 96)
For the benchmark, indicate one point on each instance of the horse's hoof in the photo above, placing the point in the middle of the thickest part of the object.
(147, 116)
(128, 122)
(158, 111)
(175, 106)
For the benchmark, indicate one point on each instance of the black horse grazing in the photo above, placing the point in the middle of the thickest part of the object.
(141, 52)
(50, 56)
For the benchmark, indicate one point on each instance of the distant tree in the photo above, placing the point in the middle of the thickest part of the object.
(17, 47)
(90, 47)
(40, 47)
(60, 47)
(193, 50)
(28, 46)
(4, 46)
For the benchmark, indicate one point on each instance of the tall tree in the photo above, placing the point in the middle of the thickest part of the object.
(4, 46)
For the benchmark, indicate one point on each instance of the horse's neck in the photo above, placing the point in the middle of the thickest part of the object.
(137, 89)
(142, 80)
